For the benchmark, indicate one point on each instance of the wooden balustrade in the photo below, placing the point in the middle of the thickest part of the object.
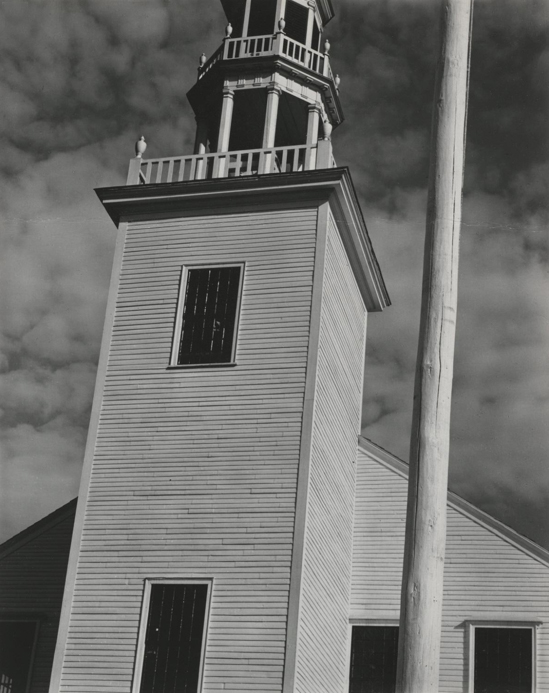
(223, 165)
(309, 58)
(277, 44)
(248, 47)
(216, 57)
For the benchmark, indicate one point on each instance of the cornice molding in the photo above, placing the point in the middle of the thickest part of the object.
(250, 193)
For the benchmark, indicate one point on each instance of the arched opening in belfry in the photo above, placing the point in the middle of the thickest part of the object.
(262, 17)
(235, 11)
(291, 124)
(297, 19)
(213, 121)
(248, 121)
(315, 38)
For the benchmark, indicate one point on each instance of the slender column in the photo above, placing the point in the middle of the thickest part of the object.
(312, 136)
(280, 10)
(201, 140)
(312, 125)
(279, 34)
(423, 570)
(226, 121)
(246, 17)
(324, 155)
(310, 24)
(273, 99)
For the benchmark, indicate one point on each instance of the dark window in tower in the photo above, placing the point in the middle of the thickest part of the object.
(248, 122)
(373, 659)
(172, 660)
(262, 18)
(291, 123)
(503, 660)
(209, 315)
(17, 640)
(234, 9)
(315, 40)
(297, 17)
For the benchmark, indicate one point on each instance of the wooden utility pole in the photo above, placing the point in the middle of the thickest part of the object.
(422, 580)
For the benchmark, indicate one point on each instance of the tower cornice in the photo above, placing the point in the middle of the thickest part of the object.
(307, 188)
(238, 69)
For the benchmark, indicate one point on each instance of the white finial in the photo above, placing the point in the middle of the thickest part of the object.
(326, 46)
(140, 147)
(337, 81)
(327, 127)
(229, 30)
(202, 60)
(281, 24)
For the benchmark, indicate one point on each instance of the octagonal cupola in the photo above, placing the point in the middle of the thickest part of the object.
(266, 101)
(270, 83)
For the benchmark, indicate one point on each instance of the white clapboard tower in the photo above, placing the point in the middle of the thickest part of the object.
(213, 537)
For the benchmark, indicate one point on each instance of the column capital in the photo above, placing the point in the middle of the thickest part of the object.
(228, 93)
(312, 107)
(274, 89)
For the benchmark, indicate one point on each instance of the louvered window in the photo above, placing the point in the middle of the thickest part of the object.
(174, 639)
(17, 641)
(209, 316)
(315, 40)
(262, 18)
(503, 660)
(373, 659)
(297, 18)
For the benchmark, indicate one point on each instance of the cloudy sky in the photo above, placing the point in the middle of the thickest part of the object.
(80, 80)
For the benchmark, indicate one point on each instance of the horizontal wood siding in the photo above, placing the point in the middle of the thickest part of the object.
(195, 469)
(326, 582)
(485, 577)
(32, 578)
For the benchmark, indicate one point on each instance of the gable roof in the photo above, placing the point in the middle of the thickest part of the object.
(38, 528)
(462, 506)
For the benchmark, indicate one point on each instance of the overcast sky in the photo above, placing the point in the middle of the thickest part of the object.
(80, 80)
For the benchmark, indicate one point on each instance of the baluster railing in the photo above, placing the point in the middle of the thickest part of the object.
(216, 57)
(247, 47)
(279, 44)
(223, 165)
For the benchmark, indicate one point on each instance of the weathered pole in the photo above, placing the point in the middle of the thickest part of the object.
(423, 571)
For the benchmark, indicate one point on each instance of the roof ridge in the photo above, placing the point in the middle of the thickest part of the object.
(457, 502)
(36, 529)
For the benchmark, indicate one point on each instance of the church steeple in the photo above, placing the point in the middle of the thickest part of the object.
(220, 467)
(265, 102)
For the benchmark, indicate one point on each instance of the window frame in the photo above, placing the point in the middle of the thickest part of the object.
(471, 626)
(178, 326)
(8, 618)
(370, 623)
(144, 617)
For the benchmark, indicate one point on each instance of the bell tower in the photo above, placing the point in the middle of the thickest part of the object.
(265, 102)
(269, 87)
(213, 535)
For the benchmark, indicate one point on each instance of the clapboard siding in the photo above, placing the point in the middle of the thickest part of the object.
(323, 630)
(485, 577)
(32, 577)
(195, 469)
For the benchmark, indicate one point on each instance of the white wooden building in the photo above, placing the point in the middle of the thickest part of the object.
(232, 532)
